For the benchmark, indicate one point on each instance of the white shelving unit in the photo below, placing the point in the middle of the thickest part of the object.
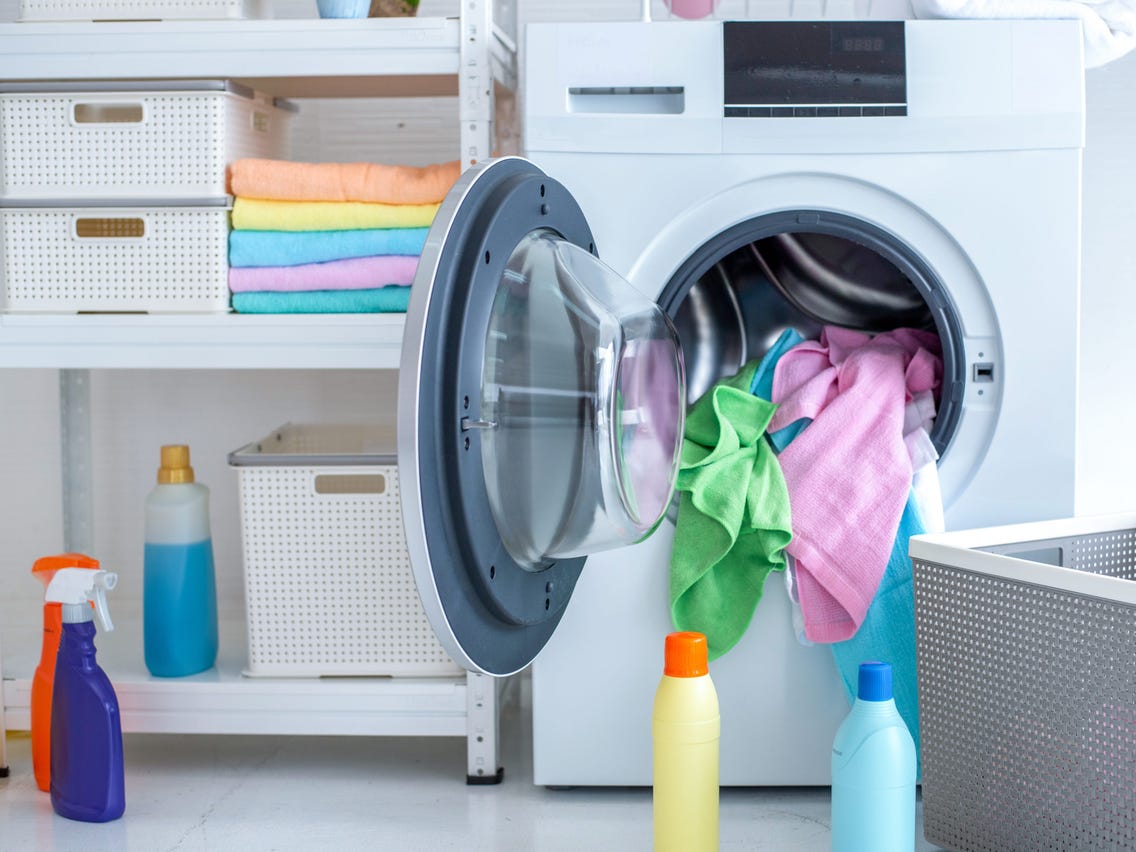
(474, 58)
(201, 341)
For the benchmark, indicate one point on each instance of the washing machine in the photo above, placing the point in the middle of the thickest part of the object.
(690, 190)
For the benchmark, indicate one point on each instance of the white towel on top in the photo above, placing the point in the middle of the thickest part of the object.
(1109, 26)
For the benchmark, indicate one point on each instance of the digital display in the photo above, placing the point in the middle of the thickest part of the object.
(803, 63)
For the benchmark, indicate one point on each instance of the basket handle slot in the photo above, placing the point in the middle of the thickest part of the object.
(351, 483)
(107, 227)
(108, 113)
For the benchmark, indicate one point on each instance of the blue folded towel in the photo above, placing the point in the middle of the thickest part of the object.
(293, 248)
(888, 631)
(384, 300)
(762, 386)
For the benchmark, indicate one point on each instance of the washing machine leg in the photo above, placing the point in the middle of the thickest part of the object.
(483, 729)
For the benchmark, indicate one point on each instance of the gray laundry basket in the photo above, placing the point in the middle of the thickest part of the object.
(1026, 646)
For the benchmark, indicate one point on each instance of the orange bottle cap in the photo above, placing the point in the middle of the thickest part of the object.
(64, 560)
(687, 655)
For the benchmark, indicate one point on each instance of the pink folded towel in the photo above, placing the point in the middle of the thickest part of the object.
(849, 472)
(279, 180)
(357, 273)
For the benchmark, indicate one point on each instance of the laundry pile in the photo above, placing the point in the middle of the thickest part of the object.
(329, 237)
(830, 439)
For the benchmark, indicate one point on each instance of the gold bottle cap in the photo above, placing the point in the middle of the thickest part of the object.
(175, 467)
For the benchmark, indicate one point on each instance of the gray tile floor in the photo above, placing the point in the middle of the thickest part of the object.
(191, 793)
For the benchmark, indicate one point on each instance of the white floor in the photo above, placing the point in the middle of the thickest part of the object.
(190, 793)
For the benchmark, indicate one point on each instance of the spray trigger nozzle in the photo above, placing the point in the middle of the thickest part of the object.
(105, 581)
(80, 587)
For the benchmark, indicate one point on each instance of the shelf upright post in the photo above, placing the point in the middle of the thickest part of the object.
(3, 725)
(483, 726)
(476, 115)
(75, 436)
(475, 82)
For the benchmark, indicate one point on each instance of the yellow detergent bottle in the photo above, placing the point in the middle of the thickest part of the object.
(686, 728)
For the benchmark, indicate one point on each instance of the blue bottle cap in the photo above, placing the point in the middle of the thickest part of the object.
(875, 682)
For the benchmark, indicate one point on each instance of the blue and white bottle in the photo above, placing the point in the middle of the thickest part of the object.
(873, 771)
(179, 607)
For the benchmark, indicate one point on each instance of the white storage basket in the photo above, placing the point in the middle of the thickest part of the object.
(155, 259)
(146, 140)
(140, 10)
(1026, 650)
(328, 584)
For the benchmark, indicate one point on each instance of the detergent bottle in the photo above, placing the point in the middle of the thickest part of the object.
(179, 606)
(44, 570)
(873, 771)
(686, 727)
(87, 775)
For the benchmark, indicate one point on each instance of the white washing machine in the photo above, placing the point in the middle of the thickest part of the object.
(740, 178)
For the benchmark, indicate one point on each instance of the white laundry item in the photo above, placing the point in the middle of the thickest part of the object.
(918, 419)
(1109, 26)
(928, 495)
(919, 413)
(790, 574)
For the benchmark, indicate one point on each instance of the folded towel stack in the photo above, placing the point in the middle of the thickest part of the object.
(329, 237)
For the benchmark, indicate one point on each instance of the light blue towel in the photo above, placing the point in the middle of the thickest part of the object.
(762, 386)
(293, 248)
(888, 631)
(384, 300)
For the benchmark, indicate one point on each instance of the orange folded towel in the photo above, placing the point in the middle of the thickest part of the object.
(279, 180)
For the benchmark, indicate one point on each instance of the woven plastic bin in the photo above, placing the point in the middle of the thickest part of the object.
(1026, 648)
(134, 10)
(161, 140)
(112, 259)
(328, 584)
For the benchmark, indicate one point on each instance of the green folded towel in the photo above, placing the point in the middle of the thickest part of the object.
(733, 520)
(389, 300)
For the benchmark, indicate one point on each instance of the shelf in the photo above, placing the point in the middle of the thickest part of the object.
(201, 341)
(222, 701)
(378, 57)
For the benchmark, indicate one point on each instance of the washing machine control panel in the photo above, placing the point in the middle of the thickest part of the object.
(797, 69)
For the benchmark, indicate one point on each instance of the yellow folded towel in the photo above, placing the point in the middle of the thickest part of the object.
(280, 180)
(251, 214)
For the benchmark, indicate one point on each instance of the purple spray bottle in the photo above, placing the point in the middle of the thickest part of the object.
(86, 732)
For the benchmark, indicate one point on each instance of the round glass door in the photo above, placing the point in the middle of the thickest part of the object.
(541, 403)
(582, 396)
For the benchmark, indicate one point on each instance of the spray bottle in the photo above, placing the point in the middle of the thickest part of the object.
(87, 776)
(686, 727)
(873, 771)
(45, 570)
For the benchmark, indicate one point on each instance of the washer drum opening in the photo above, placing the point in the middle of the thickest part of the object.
(735, 294)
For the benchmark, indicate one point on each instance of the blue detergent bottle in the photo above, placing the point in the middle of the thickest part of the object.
(873, 771)
(179, 606)
(87, 774)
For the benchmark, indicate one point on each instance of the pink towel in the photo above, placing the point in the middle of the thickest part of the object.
(357, 273)
(849, 472)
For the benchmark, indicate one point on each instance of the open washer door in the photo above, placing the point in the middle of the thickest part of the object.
(540, 413)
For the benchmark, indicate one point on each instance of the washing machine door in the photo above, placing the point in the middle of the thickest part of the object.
(541, 404)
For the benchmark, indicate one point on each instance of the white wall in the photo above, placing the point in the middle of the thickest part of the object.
(218, 411)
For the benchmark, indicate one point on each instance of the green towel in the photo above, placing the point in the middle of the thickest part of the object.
(733, 520)
(388, 300)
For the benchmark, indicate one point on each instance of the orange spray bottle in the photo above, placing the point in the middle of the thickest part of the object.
(44, 570)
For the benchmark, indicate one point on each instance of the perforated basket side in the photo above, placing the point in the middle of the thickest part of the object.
(95, 10)
(131, 259)
(131, 144)
(328, 584)
(1027, 703)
